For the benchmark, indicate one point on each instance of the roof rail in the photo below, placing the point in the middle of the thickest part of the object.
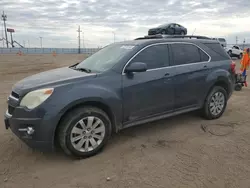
(158, 36)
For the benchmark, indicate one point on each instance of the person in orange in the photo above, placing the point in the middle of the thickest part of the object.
(245, 61)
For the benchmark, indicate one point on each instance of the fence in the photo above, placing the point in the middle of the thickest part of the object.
(88, 51)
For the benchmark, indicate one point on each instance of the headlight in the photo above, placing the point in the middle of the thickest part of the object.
(35, 98)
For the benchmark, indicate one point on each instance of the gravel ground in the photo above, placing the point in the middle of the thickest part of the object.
(174, 152)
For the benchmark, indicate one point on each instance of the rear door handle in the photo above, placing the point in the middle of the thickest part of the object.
(167, 74)
(205, 66)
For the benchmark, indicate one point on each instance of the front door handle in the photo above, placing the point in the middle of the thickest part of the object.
(205, 66)
(167, 74)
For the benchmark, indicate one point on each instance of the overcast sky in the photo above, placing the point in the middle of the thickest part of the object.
(57, 21)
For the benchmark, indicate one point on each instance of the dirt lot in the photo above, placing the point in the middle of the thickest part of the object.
(171, 153)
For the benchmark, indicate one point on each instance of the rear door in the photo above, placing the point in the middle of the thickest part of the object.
(191, 70)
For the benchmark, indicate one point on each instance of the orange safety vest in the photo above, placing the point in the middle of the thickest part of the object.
(245, 61)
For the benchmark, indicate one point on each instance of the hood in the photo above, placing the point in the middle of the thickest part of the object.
(52, 77)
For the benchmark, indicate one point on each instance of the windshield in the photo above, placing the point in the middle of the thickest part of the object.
(105, 58)
(164, 25)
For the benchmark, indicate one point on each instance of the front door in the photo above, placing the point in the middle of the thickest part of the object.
(149, 93)
(191, 70)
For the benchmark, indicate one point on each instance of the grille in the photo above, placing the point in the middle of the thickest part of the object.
(15, 94)
(10, 109)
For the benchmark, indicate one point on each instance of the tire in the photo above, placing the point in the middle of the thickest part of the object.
(240, 56)
(208, 111)
(230, 53)
(72, 144)
(238, 87)
(182, 33)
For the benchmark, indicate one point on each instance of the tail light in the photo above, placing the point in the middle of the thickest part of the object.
(233, 67)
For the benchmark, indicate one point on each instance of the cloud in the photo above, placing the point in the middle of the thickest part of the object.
(57, 21)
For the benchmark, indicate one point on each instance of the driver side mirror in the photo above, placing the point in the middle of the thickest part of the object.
(136, 67)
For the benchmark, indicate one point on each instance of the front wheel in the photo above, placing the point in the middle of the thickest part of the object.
(182, 33)
(84, 132)
(240, 56)
(215, 103)
(230, 53)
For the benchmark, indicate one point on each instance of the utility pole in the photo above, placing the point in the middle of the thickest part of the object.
(114, 36)
(83, 46)
(79, 39)
(236, 40)
(2, 35)
(4, 17)
(41, 42)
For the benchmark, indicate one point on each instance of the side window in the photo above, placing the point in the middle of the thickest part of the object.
(154, 56)
(187, 53)
(204, 57)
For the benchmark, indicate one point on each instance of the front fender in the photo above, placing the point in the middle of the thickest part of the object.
(66, 98)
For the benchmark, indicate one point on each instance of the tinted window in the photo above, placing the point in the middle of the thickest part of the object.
(204, 57)
(187, 53)
(217, 51)
(154, 56)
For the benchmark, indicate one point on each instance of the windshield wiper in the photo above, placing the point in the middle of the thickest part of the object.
(83, 69)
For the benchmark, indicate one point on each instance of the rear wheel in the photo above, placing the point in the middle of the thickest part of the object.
(84, 132)
(215, 103)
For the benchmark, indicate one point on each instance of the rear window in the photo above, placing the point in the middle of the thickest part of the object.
(217, 52)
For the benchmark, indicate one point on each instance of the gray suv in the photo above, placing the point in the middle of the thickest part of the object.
(122, 85)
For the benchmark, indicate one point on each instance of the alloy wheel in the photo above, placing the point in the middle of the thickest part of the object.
(217, 103)
(87, 134)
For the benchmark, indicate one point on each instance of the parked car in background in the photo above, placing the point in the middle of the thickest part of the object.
(234, 51)
(122, 85)
(222, 41)
(168, 29)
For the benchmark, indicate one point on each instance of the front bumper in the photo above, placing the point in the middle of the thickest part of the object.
(42, 137)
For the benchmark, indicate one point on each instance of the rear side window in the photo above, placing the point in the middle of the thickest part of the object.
(156, 56)
(188, 53)
(217, 51)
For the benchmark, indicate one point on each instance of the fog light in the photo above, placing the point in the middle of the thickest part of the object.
(29, 130)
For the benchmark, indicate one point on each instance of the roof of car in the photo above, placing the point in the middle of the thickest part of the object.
(164, 25)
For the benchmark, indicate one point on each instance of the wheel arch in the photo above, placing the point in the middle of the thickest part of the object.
(93, 103)
(220, 81)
